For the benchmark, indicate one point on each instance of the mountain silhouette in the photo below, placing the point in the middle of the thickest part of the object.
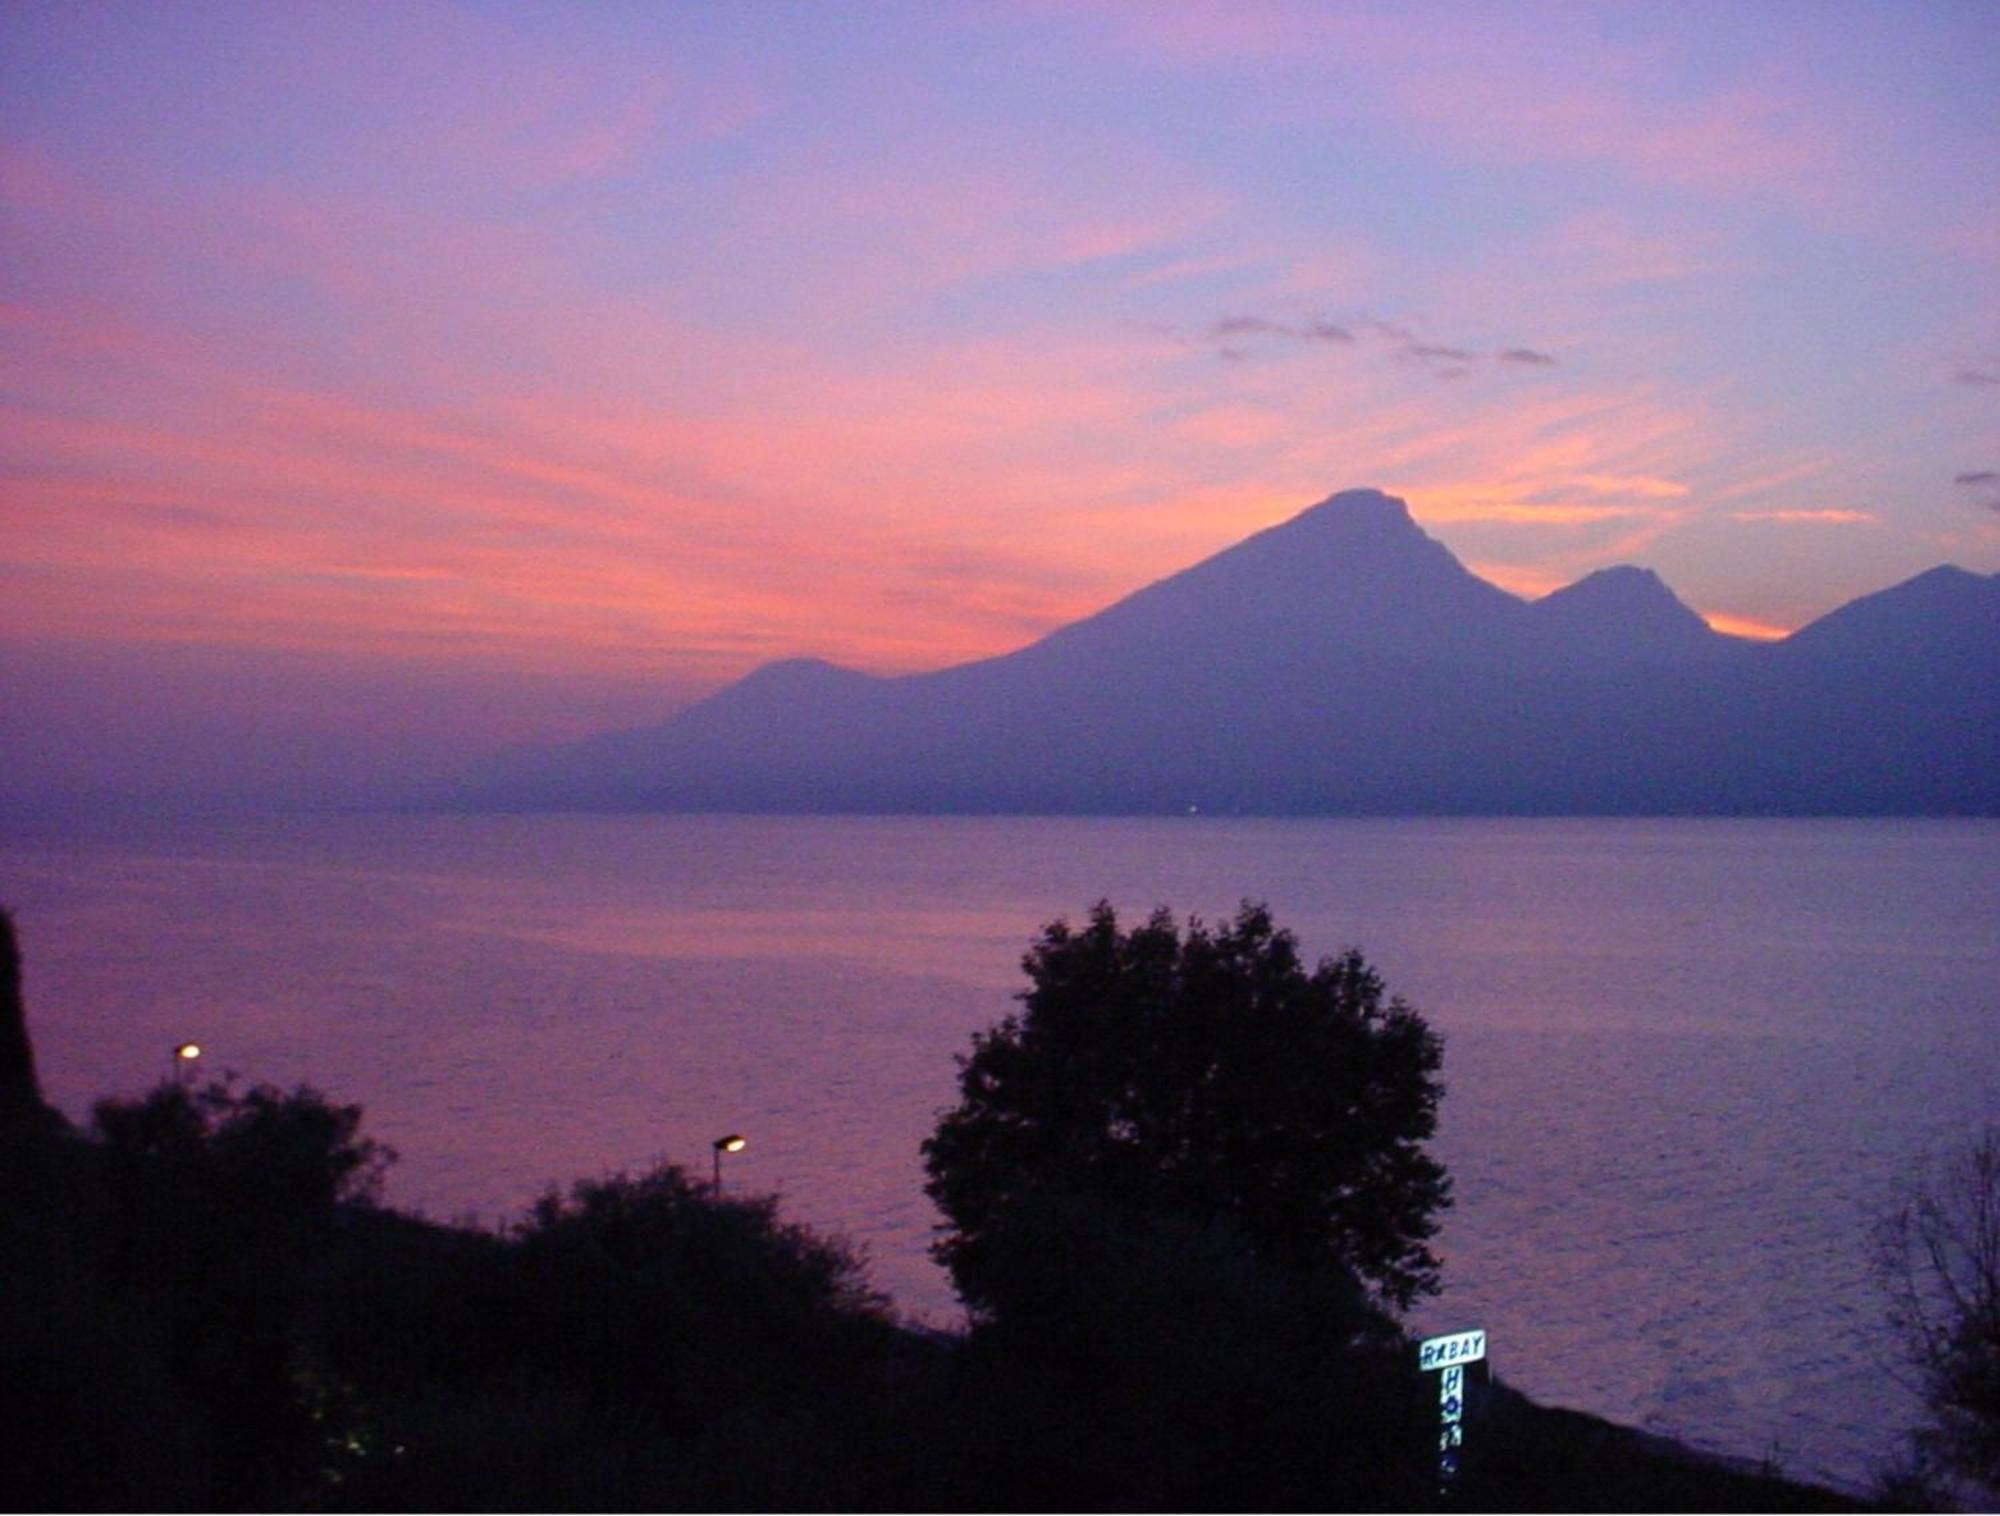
(1344, 662)
(1352, 573)
(1623, 615)
(1944, 621)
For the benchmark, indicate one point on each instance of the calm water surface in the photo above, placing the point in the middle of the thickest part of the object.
(1688, 1060)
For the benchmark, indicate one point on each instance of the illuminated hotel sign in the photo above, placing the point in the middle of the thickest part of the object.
(1448, 1356)
(1459, 1347)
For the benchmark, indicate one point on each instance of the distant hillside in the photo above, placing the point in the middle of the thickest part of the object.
(1346, 663)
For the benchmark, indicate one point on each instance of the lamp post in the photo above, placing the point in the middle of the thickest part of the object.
(184, 1055)
(733, 1143)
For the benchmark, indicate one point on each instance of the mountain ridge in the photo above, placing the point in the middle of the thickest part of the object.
(1345, 662)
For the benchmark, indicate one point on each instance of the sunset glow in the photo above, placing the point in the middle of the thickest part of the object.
(384, 385)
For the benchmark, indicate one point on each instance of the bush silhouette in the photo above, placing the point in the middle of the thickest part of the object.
(612, 1345)
(662, 1295)
(1941, 1262)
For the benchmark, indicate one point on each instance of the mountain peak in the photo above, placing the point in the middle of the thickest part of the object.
(1623, 584)
(1623, 613)
(1352, 572)
(1359, 509)
(1623, 573)
(1360, 530)
(795, 672)
(1951, 579)
(1946, 606)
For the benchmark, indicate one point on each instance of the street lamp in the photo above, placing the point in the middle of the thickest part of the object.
(184, 1056)
(733, 1143)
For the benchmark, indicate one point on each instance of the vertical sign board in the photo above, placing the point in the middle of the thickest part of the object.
(1448, 1356)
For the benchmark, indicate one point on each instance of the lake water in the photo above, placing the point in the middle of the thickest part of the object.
(1688, 1061)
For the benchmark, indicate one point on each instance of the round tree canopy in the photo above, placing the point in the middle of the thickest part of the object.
(1208, 1075)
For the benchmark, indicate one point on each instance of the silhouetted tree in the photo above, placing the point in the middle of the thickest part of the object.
(217, 1208)
(20, 1095)
(1208, 1076)
(1941, 1260)
(1142, 1361)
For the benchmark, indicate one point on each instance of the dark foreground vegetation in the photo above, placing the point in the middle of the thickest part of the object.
(207, 1307)
(205, 1311)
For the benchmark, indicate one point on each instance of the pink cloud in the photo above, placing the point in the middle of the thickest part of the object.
(337, 520)
(1747, 139)
(1505, 85)
(1187, 270)
(451, 95)
(1774, 480)
(33, 181)
(1209, 33)
(560, 129)
(1814, 517)
(1609, 249)
(890, 234)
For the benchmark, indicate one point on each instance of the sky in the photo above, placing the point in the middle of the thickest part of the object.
(381, 384)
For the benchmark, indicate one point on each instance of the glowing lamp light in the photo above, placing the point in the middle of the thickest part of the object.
(735, 1142)
(187, 1052)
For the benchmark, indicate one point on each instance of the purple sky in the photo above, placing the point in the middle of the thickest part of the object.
(386, 382)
